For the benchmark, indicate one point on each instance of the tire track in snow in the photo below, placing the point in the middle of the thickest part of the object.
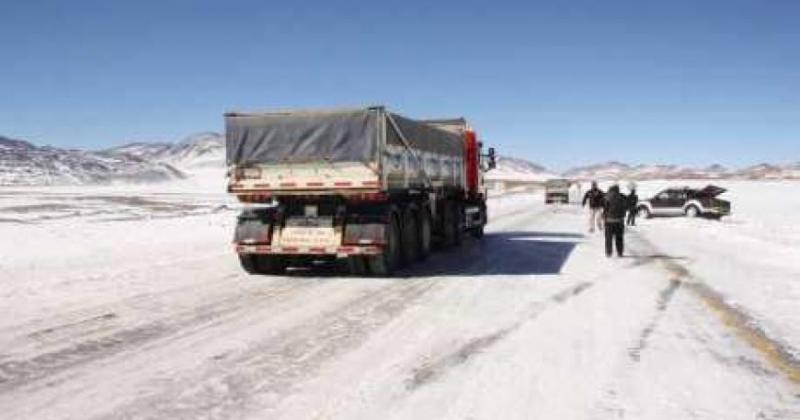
(269, 371)
(431, 371)
(18, 372)
(779, 355)
(664, 298)
(266, 372)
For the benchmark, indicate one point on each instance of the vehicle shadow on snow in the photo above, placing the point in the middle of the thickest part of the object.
(497, 253)
(502, 253)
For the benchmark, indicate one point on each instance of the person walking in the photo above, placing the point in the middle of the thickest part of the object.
(614, 207)
(594, 196)
(633, 200)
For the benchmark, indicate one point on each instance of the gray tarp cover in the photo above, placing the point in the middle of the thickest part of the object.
(301, 137)
(337, 136)
(428, 138)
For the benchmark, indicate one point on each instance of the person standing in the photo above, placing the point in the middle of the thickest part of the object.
(633, 200)
(595, 199)
(614, 207)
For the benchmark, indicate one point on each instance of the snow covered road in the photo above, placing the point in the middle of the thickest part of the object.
(151, 317)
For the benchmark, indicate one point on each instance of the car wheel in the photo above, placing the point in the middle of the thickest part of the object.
(643, 212)
(692, 211)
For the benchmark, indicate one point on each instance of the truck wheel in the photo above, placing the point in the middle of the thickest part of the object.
(271, 264)
(692, 211)
(263, 264)
(410, 236)
(249, 263)
(357, 265)
(389, 260)
(424, 234)
(477, 232)
(453, 225)
(459, 224)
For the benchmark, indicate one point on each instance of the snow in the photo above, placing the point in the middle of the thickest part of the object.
(128, 302)
(751, 255)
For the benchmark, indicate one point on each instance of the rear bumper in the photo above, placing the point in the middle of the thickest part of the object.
(556, 197)
(717, 211)
(338, 251)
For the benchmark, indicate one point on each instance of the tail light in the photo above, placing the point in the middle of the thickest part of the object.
(248, 172)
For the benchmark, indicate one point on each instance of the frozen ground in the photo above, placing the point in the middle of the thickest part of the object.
(128, 303)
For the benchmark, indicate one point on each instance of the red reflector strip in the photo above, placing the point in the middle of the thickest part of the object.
(288, 184)
(343, 184)
(315, 184)
(261, 185)
(370, 183)
(345, 249)
(316, 250)
(289, 249)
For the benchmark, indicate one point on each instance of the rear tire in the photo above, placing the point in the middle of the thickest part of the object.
(263, 264)
(424, 234)
(249, 264)
(410, 236)
(477, 232)
(692, 211)
(389, 260)
(357, 265)
(459, 222)
(643, 213)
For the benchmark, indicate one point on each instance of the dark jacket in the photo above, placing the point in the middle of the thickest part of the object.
(595, 198)
(633, 200)
(615, 206)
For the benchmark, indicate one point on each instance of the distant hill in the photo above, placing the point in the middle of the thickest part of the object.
(22, 163)
(517, 169)
(201, 150)
(616, 170)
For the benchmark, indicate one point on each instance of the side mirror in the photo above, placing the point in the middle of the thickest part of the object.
(492, 158)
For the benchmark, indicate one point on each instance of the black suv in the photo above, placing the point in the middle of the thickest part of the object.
(685, 201)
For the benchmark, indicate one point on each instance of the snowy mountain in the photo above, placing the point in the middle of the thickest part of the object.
(617, 170)
(22, 163)
(516, 169)
(202, 150)
(768, 171)
(608, 170)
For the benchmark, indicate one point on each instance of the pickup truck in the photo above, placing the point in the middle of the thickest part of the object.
(685, 201)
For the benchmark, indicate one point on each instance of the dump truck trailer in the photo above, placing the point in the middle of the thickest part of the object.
(366, 185)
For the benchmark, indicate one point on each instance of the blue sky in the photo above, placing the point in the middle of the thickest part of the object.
(561, 83)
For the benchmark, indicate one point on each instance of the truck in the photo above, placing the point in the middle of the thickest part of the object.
(367, 187)
(557, 191)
